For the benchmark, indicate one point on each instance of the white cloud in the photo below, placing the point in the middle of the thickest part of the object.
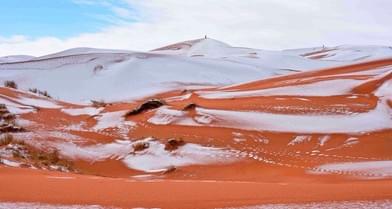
(270, 24)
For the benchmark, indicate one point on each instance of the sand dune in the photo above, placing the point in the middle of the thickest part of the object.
(198, 124)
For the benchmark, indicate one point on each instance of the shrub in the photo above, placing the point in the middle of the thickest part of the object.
(6, 139)
(48, 158)
(8, 117)
(140, 146)
(173, 144)
(98, 68)
(34, 90)
(42, 93)
(10, 84)
(98, 103)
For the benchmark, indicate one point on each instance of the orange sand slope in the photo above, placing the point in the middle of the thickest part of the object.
(313, 136)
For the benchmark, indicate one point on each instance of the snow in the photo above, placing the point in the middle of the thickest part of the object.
(15, 58)
(324, 139)
(83, 111)
(351, 141)
(384, 90)
(22, 105)
(112, 120)
(15, 108)
(40, 137)
(238, 140)
(24, 123)
(164, 116)
(61, 177)
(154, 158)
(238, 137)
(371, 169)
(115, 150)
(80, 75)
(38, 102)
(297, 123)
(30, 205)
(81, 51)
(204, 119)
(137, 76)
(322, 88)
(355, 53)
(299, 140)
(179, 98)
(380, 204)
(345, 53)
(9, 163)
(352, 123)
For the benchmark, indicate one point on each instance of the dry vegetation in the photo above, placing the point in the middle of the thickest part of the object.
(30, 156)
(98, 103)
(173, 144)
(27, 155)
(10, 84)
(6, 139)
(39, 92)
(7, 121)
(140, 146)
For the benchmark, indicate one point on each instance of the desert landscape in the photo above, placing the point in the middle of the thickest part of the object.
(197, 124)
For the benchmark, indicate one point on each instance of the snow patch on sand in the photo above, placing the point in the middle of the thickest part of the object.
(113, 120)
(322, 88)
(156, 158)
(164, 116)
(9, 163)
(38, 102)
(24, 123)
(25, 205)
(83, 111)
(299, 140)
(380, 204)
(115, 150)
(353, 123)
(15, 108)
(152, 159)
(366, 169)
(324, 139)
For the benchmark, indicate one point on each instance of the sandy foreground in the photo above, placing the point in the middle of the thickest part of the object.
(26, 185)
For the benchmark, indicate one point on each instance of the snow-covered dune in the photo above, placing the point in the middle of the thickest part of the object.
(344, 53)
(15, 58)
(82, 74)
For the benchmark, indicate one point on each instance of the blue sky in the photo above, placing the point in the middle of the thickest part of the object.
(39, 27)
(59, 18)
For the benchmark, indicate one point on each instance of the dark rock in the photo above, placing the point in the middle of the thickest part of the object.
(190, 106)
(148, 105)
(140, 146)
(173, 144)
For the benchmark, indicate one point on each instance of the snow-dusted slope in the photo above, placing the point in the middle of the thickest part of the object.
(83, 74)
(15, 58)
(344, 53)
(82, 51)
